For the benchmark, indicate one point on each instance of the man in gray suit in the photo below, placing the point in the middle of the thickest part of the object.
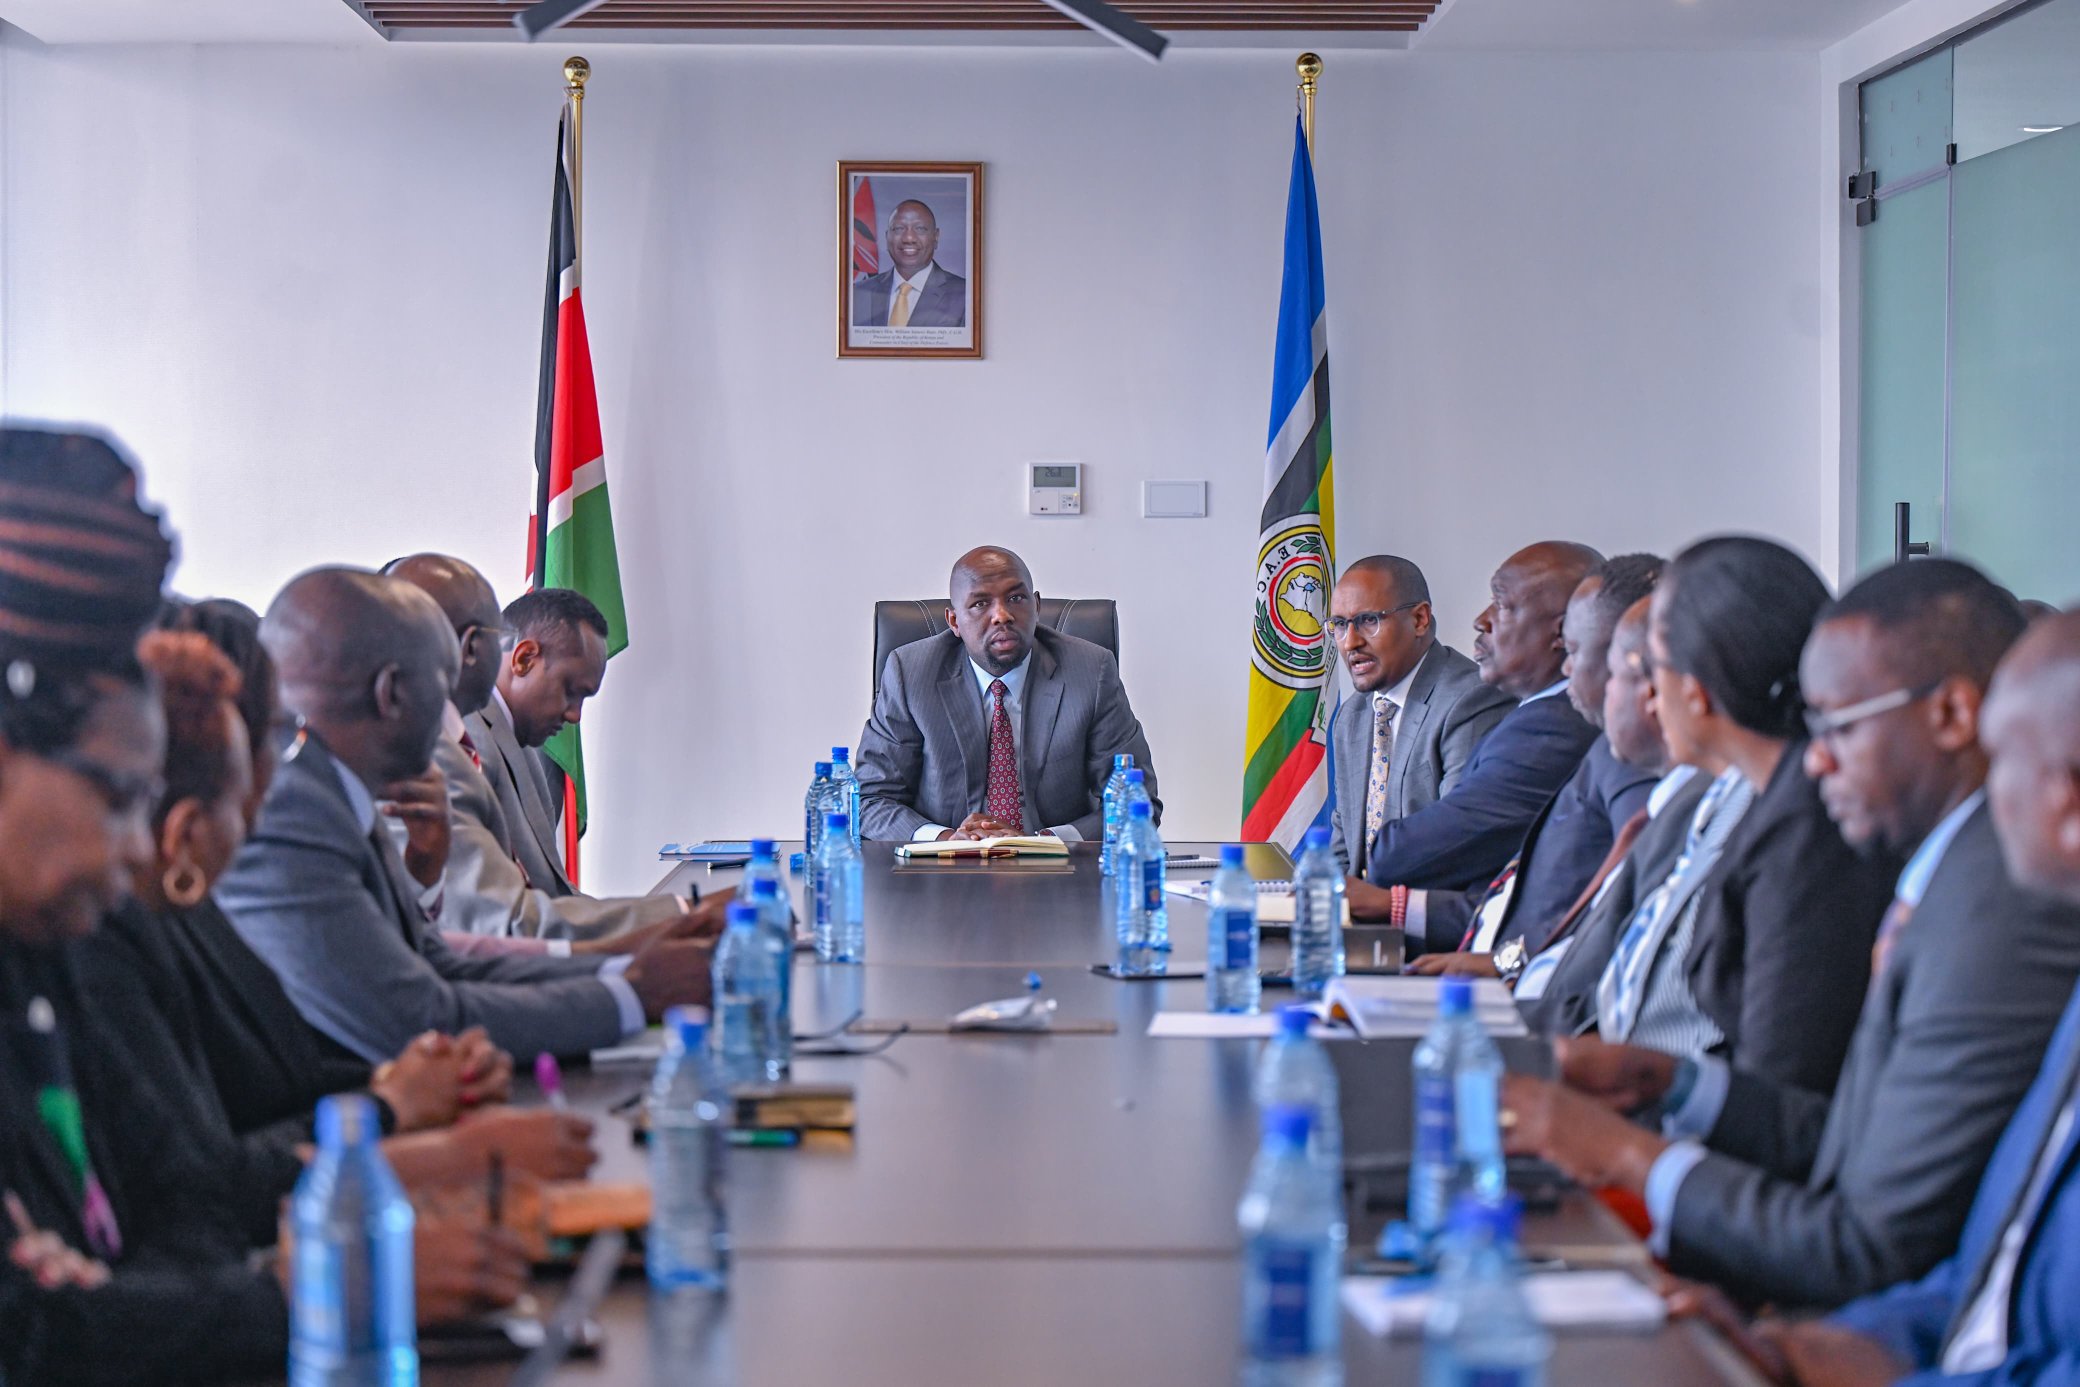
(484, 889)
(997, 725)
(319, 891)
(1435, 707)
(916, 290)
(1778, 1194)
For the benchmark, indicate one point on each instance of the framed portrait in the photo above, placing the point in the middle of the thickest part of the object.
(909, 259)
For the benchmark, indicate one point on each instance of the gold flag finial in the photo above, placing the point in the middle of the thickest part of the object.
(1309, 66)
(577, 70)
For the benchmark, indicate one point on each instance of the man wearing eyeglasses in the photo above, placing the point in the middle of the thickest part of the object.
(1420, 709)
(1785, 1196)
(454, 818)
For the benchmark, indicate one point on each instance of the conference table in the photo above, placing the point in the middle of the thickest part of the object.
(1022, 1208)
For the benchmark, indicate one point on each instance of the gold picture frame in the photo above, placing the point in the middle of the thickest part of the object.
(909, 259)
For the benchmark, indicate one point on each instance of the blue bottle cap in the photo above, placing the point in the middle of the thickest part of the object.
(689, 1024)
(840, 755)
(1032, 982)
(765, 889)
(1317, 838)
(743, 914)
(345, 1120)
(823, 769)
(1136, 776)
(1123, 762)
(1139, 809)
(837, 823)
(762, 850)
(1294, 1020)
(1287, 1126)
(1231, 854)
(1455, 998)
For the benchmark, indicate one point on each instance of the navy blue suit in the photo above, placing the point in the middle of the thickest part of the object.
(1465, 839)
(1915, 1319)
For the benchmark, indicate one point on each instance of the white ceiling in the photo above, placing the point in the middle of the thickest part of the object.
(1531, 24)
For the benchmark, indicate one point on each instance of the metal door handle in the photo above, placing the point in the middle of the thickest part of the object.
(1904, 548)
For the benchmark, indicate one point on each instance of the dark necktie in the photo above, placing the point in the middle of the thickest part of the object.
(1002, 798)
(1620, 848)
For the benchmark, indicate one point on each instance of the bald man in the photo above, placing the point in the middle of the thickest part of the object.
(2004, 1308)
(484, 888)
(915, 290)
(319, 890)
(997, 725)
(1466, 838)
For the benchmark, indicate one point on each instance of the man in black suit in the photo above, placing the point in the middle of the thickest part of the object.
(1465, 839)
(916, 290)
(1420, 709)
(1779, 1194)
(1494, 929)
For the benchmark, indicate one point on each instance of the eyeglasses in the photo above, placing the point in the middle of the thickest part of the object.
(1826, 726)
(125, 795)
(503, 636)
(1368, 623)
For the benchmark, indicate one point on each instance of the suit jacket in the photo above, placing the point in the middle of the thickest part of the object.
(1449, 711)
(485, 887)
(1781, 956)
(1466, 837)
(1807, 1202)
(184, 1304)
(1567, 842)
(330, 908)
(944, 302)
(924, 754)
(1568, 1005)
(1914, 1319)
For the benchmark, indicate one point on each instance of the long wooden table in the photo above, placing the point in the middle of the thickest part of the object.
(1014, 1208)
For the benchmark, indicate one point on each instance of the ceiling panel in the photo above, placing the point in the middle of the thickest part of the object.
(401, 17)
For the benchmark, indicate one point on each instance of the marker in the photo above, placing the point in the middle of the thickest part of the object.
(548, 1076)
(765, 1136)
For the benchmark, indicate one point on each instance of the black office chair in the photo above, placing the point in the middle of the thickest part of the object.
(1095, 619)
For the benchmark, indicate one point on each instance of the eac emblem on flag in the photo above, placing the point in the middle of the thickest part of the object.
(1293, 585)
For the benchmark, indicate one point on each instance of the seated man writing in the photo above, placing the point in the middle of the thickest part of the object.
(997, 725)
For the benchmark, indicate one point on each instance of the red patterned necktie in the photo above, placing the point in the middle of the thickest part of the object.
(471, 747)
(1002, 798)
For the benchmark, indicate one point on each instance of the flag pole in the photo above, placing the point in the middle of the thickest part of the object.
(576, 72)
(1310, 68)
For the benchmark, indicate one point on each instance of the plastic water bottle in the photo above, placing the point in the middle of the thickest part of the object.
(841, 921)
(688, 1241)
(353, 1313)
(1294, 1071)
(776, 931)
(1142, 918)
(1232, 984)
(846, 781)
(1114, 800)
(1318, 891)
(747, 1002)
(764, 864)
(813, 811)
(1458, 1145)
(1481, 1332)
(1291, 1220)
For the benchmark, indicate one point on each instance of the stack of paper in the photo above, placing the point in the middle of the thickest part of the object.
(1213, 1025)
(955, 849)
(1600, 1300)
(1404, 1007)
(1274, 899)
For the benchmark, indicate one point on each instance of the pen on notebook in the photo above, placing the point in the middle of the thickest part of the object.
(495, 1190)
(548, 1076)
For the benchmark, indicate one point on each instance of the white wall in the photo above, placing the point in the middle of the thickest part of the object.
(1572, 295)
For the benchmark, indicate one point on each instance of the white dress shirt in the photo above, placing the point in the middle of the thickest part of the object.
(1014, 709)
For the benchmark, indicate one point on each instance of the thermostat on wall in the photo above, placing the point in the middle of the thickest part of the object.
(1055, 488)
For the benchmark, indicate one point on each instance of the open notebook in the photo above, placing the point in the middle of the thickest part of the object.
(1032, 845)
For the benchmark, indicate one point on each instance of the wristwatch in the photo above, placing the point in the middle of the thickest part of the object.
(1510, 960)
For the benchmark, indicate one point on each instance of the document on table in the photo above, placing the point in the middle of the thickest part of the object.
(1274, 899)
(1405, 1007)
(1210, 1025)
(1393, 1307)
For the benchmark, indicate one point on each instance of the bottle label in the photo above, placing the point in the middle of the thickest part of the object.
(1469, 1376)
(333, 1312)
(1236, 932)
(823, 901)
(1436, 1124)
(1285, 1272)
(1152, 885)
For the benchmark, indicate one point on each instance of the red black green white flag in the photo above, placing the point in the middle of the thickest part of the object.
(570, 541)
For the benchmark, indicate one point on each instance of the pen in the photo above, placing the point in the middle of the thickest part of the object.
(765, 1136)
(495, 1190)
(548, 1075)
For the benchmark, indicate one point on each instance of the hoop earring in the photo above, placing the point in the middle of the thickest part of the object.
(183, 885)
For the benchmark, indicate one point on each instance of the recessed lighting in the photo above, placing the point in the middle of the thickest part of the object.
(2042, 129)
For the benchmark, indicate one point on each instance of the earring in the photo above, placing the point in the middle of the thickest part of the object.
(183, 885)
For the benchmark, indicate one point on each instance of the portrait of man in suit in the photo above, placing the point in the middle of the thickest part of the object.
(909, 260)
